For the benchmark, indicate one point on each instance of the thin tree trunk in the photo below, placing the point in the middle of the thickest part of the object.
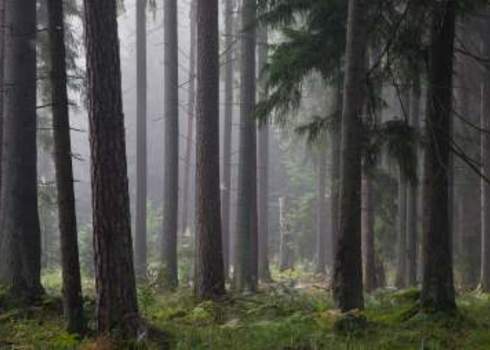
(117, 307)
(437, 288)
(321, 213)
(401, 267)
(485, 160)
(347, 285)
(263, 167)
(140, 246)
(2, 85)
(286, 252)
(368, 252)
(245, 266)
(20, 268)
(412, 194)
(189, 144)
(210, 279)
(171, 161)
(70, 264)
(227, 131)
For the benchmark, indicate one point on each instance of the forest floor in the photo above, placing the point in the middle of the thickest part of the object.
(285, 316)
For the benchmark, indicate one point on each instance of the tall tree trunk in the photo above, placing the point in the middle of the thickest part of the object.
(245, 266)
(321, 213)
(20, 267)
(189, 144)
(485, 161)
(210, 280)
(263, 167)
(368, 248)
(117, 307)
(348, 290)
(401, 266)
(227, 131)
(335, 139)
(141, 140)
(437, 287)
(70, 264)
(171, 161)
(412, 194)
(2, 85)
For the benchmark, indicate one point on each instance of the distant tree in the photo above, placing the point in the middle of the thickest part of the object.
(20, 267)
(321, 211)
(140, 245)
(347, 285)
(72, 289)
(171, 137)
(117, 306)
(210, 280)
(368, 239)
(245, 265)
(437, 286)
(286, 249)
(401, 265)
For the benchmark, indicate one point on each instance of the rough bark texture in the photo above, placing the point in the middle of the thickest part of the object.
(368, 248)
(72, 289)
(263, 167)
(347, 285)
(401, 266)
(412, 194)
(485, 154)
(286, 249)
(171, 137)
(114, 271)
(437, 287)
(321, 213)
(245, 266)
(191, 106)
(227, 131)
(20, 269)
(210, 280)
(140, 248)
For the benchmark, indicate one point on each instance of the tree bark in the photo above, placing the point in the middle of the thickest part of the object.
(412, 194)
(401, 266)
(171, 157)
(437, 287)
(286, 251)
(245, 266)
(141, 141)
(70, 264)
(210, 280)
(114, 271)
(485, 161)
(263, 166)
(20, 269)
(347, 285)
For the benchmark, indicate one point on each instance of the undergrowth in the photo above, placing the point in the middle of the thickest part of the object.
(284, 316)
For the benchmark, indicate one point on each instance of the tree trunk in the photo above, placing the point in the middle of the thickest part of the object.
(227, 131)
(368, 252)
(437, 288)
(114, 271)
(263, 167)
(485, 161)
(321, 213)
(286, 251)
(171, 137)
(189, 144)
(401, 266)
(2, 84)
(412, 194)
(20, 269)
(347, 285)
(70, 264)
(141, 140)
(210, 280)
(245, 267)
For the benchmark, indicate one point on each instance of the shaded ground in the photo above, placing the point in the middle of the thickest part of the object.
(282, 317)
